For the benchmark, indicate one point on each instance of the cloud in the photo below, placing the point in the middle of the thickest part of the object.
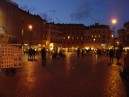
(43, 15)
(46, 17)
(82, 12)
(50, 16)
(52, 11)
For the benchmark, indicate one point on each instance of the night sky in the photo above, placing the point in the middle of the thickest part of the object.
(86, 12)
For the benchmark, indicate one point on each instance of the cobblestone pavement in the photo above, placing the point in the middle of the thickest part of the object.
(88, 76)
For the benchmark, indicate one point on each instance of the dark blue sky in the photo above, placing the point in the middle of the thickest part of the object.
(86, 12)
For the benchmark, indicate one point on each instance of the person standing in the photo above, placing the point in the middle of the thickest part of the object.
(78, 52)
(118, 55)
(33, 55)
(111, 55)
(43, 56)
(30, 54)
(82, 52)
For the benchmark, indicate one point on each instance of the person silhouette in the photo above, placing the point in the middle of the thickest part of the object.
(111, 55)
(118, 55)
(78, 52)
(43, 56)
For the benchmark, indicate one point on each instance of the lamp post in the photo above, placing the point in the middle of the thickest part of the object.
(112, 39)
(114, 22)
(30, 35)
(94, 43)
(68, 42)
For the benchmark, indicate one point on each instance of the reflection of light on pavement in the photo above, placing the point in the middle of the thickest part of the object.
(27, 83)
(95, 58)
(31, 79)
(114, 85)
(68, 58)
(69, 65)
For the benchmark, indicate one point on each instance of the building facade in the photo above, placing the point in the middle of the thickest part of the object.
(73, 36)
(124, 35)
(16, 22)
(54, 37)
(98, 37)
(31, 29)
(8, 21)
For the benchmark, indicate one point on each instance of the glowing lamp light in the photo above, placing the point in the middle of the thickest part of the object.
(30, 27)
(112, 36)
(68, 37)
(114, 21)
(117, 43)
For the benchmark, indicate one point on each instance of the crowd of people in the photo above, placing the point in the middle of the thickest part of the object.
(31, 54)
(81, 52)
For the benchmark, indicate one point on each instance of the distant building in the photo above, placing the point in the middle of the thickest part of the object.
(16, 22)
(124, 35)
(98, 36)
(121, 36)
(79, 36)
(8, 21)
(54, 37)
(28, 29)
(73, 35)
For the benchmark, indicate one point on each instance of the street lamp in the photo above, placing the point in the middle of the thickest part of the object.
(30, 35)
(94, 39)
(118, 43)
(112, 39)
(68, 42)
(114, 22)
(94, 43)
(30, 27)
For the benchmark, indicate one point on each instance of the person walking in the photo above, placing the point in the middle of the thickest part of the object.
(111, 55)
(33, 55)
(82, 52)
(30, 54)
(43, 56)
(118, 55)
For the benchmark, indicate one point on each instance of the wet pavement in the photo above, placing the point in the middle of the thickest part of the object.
(88, 76)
